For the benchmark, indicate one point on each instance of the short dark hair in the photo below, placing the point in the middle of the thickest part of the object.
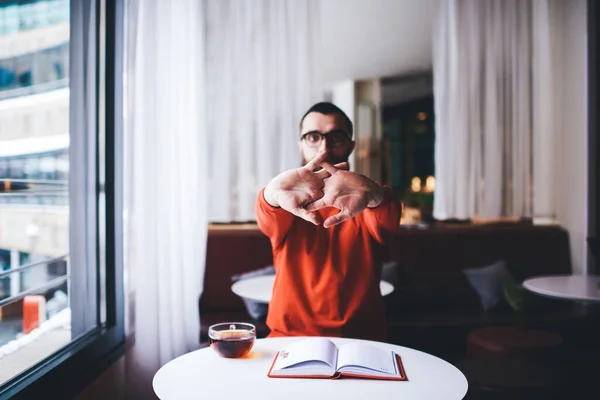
(328, 108)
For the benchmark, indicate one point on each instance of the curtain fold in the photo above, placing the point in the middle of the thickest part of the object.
(82, 172)
(493, 103)
(166, 183)
(547, 63)
(262, 68)
(214, 94)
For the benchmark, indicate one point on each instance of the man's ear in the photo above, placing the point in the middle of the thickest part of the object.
(352, 144)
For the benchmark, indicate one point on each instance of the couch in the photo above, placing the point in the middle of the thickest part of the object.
(433, 307)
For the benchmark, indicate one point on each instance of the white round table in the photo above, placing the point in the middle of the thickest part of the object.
(204, 374)
(571, 287)
(260, 288)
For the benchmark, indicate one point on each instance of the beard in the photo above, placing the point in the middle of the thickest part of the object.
(336, 160)
(331, 159)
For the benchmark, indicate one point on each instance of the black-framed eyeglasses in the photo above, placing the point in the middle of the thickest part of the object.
(335, 138)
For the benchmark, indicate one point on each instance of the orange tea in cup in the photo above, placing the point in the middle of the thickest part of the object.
(232, 339)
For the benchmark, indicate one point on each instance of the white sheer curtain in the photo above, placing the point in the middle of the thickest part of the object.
(493, 106)
(214, 94)
(166, 183)
(263, 76)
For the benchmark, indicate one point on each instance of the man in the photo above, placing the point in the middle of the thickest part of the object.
(326, 225)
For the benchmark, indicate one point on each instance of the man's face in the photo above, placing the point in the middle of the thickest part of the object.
(338, 144)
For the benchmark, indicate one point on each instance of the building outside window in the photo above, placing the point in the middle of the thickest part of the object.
(34, 197)
(59, 293)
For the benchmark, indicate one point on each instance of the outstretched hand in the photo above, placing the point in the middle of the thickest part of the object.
(350, 192)
(293, 190)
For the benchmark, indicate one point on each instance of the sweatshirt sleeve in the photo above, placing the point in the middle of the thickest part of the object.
(383, 220)
(275, 222)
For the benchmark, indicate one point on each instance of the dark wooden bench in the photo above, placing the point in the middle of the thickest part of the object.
(433, 307)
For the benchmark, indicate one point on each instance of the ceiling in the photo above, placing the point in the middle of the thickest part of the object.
(374, 38)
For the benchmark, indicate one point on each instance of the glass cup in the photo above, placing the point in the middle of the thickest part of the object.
(232, 339)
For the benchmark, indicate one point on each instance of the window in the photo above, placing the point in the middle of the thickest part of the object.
(409, 142)
(61, 296)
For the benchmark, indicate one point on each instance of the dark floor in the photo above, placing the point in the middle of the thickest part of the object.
(571, 371)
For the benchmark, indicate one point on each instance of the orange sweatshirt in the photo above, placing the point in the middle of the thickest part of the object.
(327, 279)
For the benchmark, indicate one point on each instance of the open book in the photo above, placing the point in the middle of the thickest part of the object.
(321, 358)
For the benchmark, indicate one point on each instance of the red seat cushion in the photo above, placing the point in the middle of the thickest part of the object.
(494, 341)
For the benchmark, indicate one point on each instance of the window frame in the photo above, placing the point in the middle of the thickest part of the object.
(68, 371)
(593, 145)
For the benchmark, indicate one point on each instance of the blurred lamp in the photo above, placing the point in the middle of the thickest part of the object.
(415, 184)
(430, 184)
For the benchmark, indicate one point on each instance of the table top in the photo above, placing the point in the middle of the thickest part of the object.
(572, 287)
(203, 373)
(260, 288)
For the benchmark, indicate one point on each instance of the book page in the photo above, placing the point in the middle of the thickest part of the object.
(368, 357)
(307, 350)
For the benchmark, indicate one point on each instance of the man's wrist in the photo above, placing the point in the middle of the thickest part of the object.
(377, 195)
